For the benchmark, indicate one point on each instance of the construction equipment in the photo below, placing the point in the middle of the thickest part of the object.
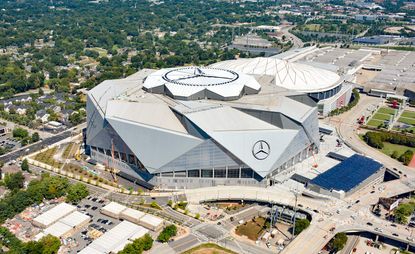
(315, 165)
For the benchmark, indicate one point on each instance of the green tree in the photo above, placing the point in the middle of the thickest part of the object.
(406, 157)
(403, 211)
(300, 225)
(138, 245)
(14, 181)
(50, 244)
(77, 192)
(35, 137)
(25, 165)
(167, 233)
(338, 242)
(20, 133)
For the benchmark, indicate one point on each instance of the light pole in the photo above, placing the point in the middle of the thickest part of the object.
(295, 212)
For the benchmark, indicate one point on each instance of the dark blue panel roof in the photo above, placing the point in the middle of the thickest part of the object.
(347, 174)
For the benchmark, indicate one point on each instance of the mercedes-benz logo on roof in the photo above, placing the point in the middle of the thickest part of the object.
(200, 76)
(261, 150)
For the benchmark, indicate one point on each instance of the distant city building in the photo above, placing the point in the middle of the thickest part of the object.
(254, 44)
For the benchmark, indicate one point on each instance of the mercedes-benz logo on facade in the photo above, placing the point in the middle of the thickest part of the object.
(261, 150)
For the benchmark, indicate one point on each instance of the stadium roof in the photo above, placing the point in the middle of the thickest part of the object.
(292, 76)
(201, 82)
(347, 174)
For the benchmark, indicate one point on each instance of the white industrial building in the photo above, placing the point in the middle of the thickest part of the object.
(119, 211)
(151, 222)
(65, 226)
(58, 229)
(113, 209)
(53, 215)
(115, 239)
(132, 215)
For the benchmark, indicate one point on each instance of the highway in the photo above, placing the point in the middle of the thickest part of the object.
(26, 150)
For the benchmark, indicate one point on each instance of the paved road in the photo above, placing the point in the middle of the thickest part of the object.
(42, 144)
(297, 42)
(35, 147)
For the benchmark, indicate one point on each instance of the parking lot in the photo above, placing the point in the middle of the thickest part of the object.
(8, 142)
(98, 225)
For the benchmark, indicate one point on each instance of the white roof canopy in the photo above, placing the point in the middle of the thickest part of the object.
(292, 76)
(201, 83)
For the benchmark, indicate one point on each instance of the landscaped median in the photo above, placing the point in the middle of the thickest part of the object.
(44, 159)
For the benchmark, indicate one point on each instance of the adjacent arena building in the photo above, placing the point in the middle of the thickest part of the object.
(325, 87)
(233, 123)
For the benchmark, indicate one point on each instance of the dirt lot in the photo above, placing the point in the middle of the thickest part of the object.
(209, 248)
(251, 229)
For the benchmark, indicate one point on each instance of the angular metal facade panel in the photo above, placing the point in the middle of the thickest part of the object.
(204, 156)
(241, 144)
(153, 146)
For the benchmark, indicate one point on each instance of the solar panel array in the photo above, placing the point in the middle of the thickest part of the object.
(347, 174)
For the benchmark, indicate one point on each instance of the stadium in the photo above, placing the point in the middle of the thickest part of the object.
(189, 127)
(325, 87)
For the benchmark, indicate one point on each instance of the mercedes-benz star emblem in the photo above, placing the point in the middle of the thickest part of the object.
(261, 150)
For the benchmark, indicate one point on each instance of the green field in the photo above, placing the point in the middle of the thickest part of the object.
(389, 148)
(374, 123)
(406, 120)
(386, 110)
(380, 116)
(408, 114)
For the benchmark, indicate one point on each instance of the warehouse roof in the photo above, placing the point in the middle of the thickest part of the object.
(116, 238)
(151, 220)
(58, 229)
(90, 250)
(54, 214)
(74, 219)
(348, 174)
(114, 208)
(133, 213)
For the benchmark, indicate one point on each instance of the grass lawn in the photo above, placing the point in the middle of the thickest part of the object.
(408, 114)
(312, 27)
(388, 148)
(386, 110)
(208, 248)
(251, 229)
(381, 116)
(406, 120)
(374, 122)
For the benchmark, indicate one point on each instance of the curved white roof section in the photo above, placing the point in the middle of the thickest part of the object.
(292, 76)
(190, 83)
